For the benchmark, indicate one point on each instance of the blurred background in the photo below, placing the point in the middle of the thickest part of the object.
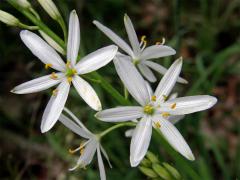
(205, 33)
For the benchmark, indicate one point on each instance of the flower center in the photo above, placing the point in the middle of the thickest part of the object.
(70, 72)
(148, 109)
(136, 61)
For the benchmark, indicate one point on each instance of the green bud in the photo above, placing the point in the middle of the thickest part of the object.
(146, 163)
(24, 3)
(148, 172)
(8, 19)
(50, 8)
(172, 170)
(152, 157)
(161, 171)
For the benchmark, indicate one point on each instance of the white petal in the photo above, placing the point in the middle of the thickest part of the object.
(168, 81)
(120, 114)
(132, 36)
(115, 38)
(101, 165)
(173, 137)
(129, 133)
(105, 155)
(146, 72)
(173, 96)
(175, 119)
(140, 141)
(73, 38)
(162, 70)
(96, 60)
(38, 84)
(132, 80)
(77, 121)
(42, 50)
(149, 88)
(157, 51)
(55, 106)
(73, 126)
(87, 93)
(188, 104)
(87, 155)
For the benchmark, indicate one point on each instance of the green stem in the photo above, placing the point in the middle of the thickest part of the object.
(24, 26)
(115, 127)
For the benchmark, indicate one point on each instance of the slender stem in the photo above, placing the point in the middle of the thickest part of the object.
(115, 127)
(24, 26)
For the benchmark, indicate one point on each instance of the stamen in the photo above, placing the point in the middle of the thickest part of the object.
(157, 124)
(54, 76)
(153, 98)
(143, 42)
(54, 92)
(162, 42)
(69, 79)
(68, 64)
(48, 66)
(165, 114)
(165, 97)
(173, 106)
(80, 148)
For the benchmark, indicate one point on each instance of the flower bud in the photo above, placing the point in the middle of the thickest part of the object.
(8, 19)
(52, 43)
(148, 172)
(152, 157)
(50, 8)
(24, 3)
(161, 171)
(172, 170)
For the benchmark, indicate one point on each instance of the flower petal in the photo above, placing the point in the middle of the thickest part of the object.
(87, 155)
(146, 72)
(73, 126)
(175, 119)
(132, 36)
(96, 60)
(168, 81)
(115, 38)
(120, 114)
(55, 106)
(73, 38)
(86, 91)
(129, 133)
(162, 70)
(106, 156)
(140, 141)
(188, 104)
(38, 84)
(173, 137)
(42, 50)
(101, 165)
(157, 51)
(149, 88)
(132, 80)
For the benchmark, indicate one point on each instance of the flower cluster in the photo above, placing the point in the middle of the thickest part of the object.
(155, 110)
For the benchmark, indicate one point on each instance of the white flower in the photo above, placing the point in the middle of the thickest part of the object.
(89, 147)
(69, 72)
(155, 110)
(139, 54)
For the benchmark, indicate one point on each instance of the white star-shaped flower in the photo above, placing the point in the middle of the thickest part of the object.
(68, 72)
(89, 147)
(139, 54)
(154, 110)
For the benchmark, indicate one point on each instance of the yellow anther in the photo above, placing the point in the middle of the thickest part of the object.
(54, 92)
(148, 109)
(165, 114)
(162, 42)
(74, 71)
(153, 98)
(173, 106)
(157, 124)
(71, 151)
(144, 41)
(165, 97)
(48, 66)
(69, 79)
(54, 76)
